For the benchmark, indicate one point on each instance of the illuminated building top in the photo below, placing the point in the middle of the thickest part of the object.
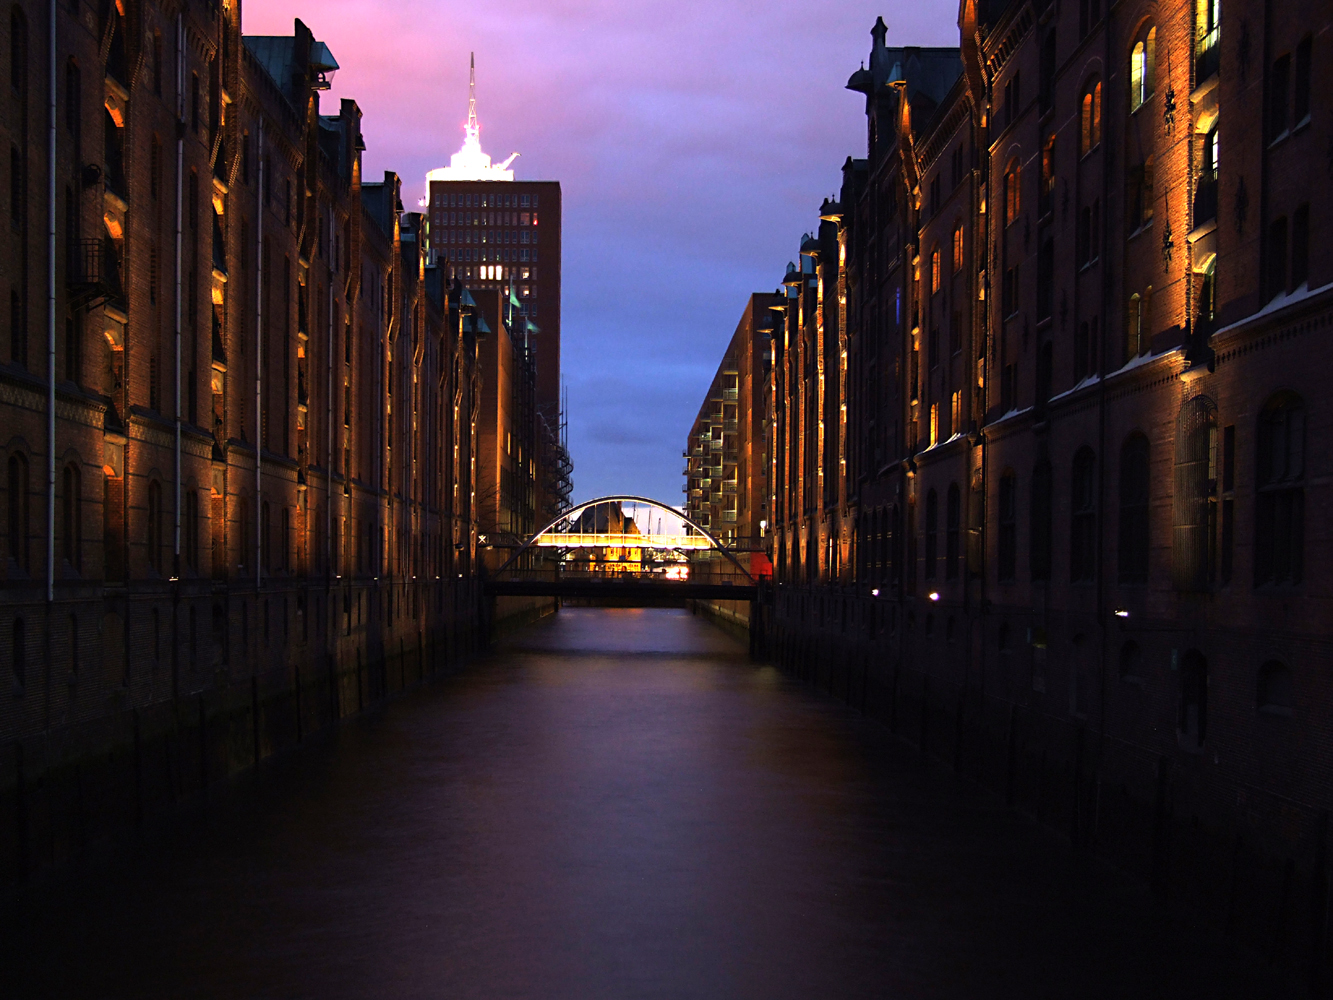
(470, 163)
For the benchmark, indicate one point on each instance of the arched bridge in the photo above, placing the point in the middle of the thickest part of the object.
(598, 551)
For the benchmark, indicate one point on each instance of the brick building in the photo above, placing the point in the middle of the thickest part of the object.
(244, 397)
(1045, 417)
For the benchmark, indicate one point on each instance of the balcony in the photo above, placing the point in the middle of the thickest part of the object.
(729, 486)
(94, 272)
(731, 394)
(715, 444)
(1207, 54)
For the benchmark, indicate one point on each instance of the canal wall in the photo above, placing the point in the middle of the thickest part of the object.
(176, 693)
(1020, 725)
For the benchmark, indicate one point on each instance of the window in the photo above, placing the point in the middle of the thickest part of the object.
(1039, 535)
(153, 535)
(932, 527)
(157, 63)
(1142, 69)
(19, 654)
(1134, 471)
(191, 529)
(1046, 278)
(74, 105)
(1046, 190)
(1087, 237)
(17, 510)
(71, 517)
(1013, 178)
(1193, 698)
(958, 248)
(952, 515)
(1194, 515)
(1300, 246)
(1083, 518)
(1046, 81)
(18, 51)
(935, 273)
(1279, 96)
(1008, 539)
(1131, 662)
(1205, 190)
(1302, 103)
(1090, 117)
(1009, 293)
(1277, 257)
(1274, 695)
(1280, 504)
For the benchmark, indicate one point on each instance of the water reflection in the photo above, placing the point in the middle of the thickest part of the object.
(616, 804)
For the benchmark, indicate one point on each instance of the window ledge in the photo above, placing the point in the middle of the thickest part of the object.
(1202, 90)
(1279, 138)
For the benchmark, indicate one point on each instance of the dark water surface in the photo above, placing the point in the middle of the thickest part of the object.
(616, 804)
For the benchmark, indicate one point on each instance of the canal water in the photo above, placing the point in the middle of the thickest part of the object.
(613, 804)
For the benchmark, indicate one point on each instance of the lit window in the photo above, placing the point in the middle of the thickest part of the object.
(1141, 69)
(958, 247)
(935, 270)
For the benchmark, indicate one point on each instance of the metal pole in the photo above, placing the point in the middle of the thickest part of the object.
(259, 366)
(51, 328)
(180, 167)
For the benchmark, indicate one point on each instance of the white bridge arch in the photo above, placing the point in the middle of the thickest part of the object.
(547, 537)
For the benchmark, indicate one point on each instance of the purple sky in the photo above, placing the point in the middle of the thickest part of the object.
(694, 143)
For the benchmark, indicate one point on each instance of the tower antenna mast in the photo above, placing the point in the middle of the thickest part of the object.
(472, 128)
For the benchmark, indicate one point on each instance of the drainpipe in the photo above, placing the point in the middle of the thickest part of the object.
(51, 330)
(328, 409)
(180, 167)
(259, 368)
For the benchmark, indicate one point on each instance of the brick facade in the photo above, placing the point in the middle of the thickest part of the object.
(1068, 533)
(265, 403)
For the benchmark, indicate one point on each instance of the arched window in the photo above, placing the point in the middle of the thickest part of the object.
(952, 515)
(1134, 510)
(1274, 688)
(1013, 188)
(72, 516)
(154, 533)
(935, 271)
(932, 532)
(958, 248)
(1195, 508)
(16, 523)
(1193, 720)
(1008, 536)
(1083, 518)
(1131, 661)
(1142, 68)
(1039, 529)
(1090, 116)
(1280, 503)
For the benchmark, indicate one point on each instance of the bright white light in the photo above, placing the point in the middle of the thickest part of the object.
(875, 592)
(1121, 613)
(470, 163)
(934, 595)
